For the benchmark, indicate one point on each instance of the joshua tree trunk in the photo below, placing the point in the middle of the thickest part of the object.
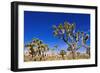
(31, 52)
(73, 50)
(73, 54)
(63, 57)
(87, 49)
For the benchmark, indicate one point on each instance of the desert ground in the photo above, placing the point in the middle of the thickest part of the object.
(54, 57)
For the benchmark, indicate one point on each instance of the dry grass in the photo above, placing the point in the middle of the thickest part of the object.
(28, 58)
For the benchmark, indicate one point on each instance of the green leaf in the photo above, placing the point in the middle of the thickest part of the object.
(60, 27)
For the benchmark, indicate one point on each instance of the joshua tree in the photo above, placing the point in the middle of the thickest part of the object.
(43, 48)
(32, 51)
(62, 53)
(84, 39)
(67, 33)
(36, 47)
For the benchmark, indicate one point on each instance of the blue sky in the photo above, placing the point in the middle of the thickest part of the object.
(39, 25)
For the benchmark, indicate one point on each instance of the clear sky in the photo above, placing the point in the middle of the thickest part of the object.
(39, 25)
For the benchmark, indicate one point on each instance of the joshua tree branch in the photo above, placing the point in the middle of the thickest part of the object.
(65, 40)
(79, 47)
